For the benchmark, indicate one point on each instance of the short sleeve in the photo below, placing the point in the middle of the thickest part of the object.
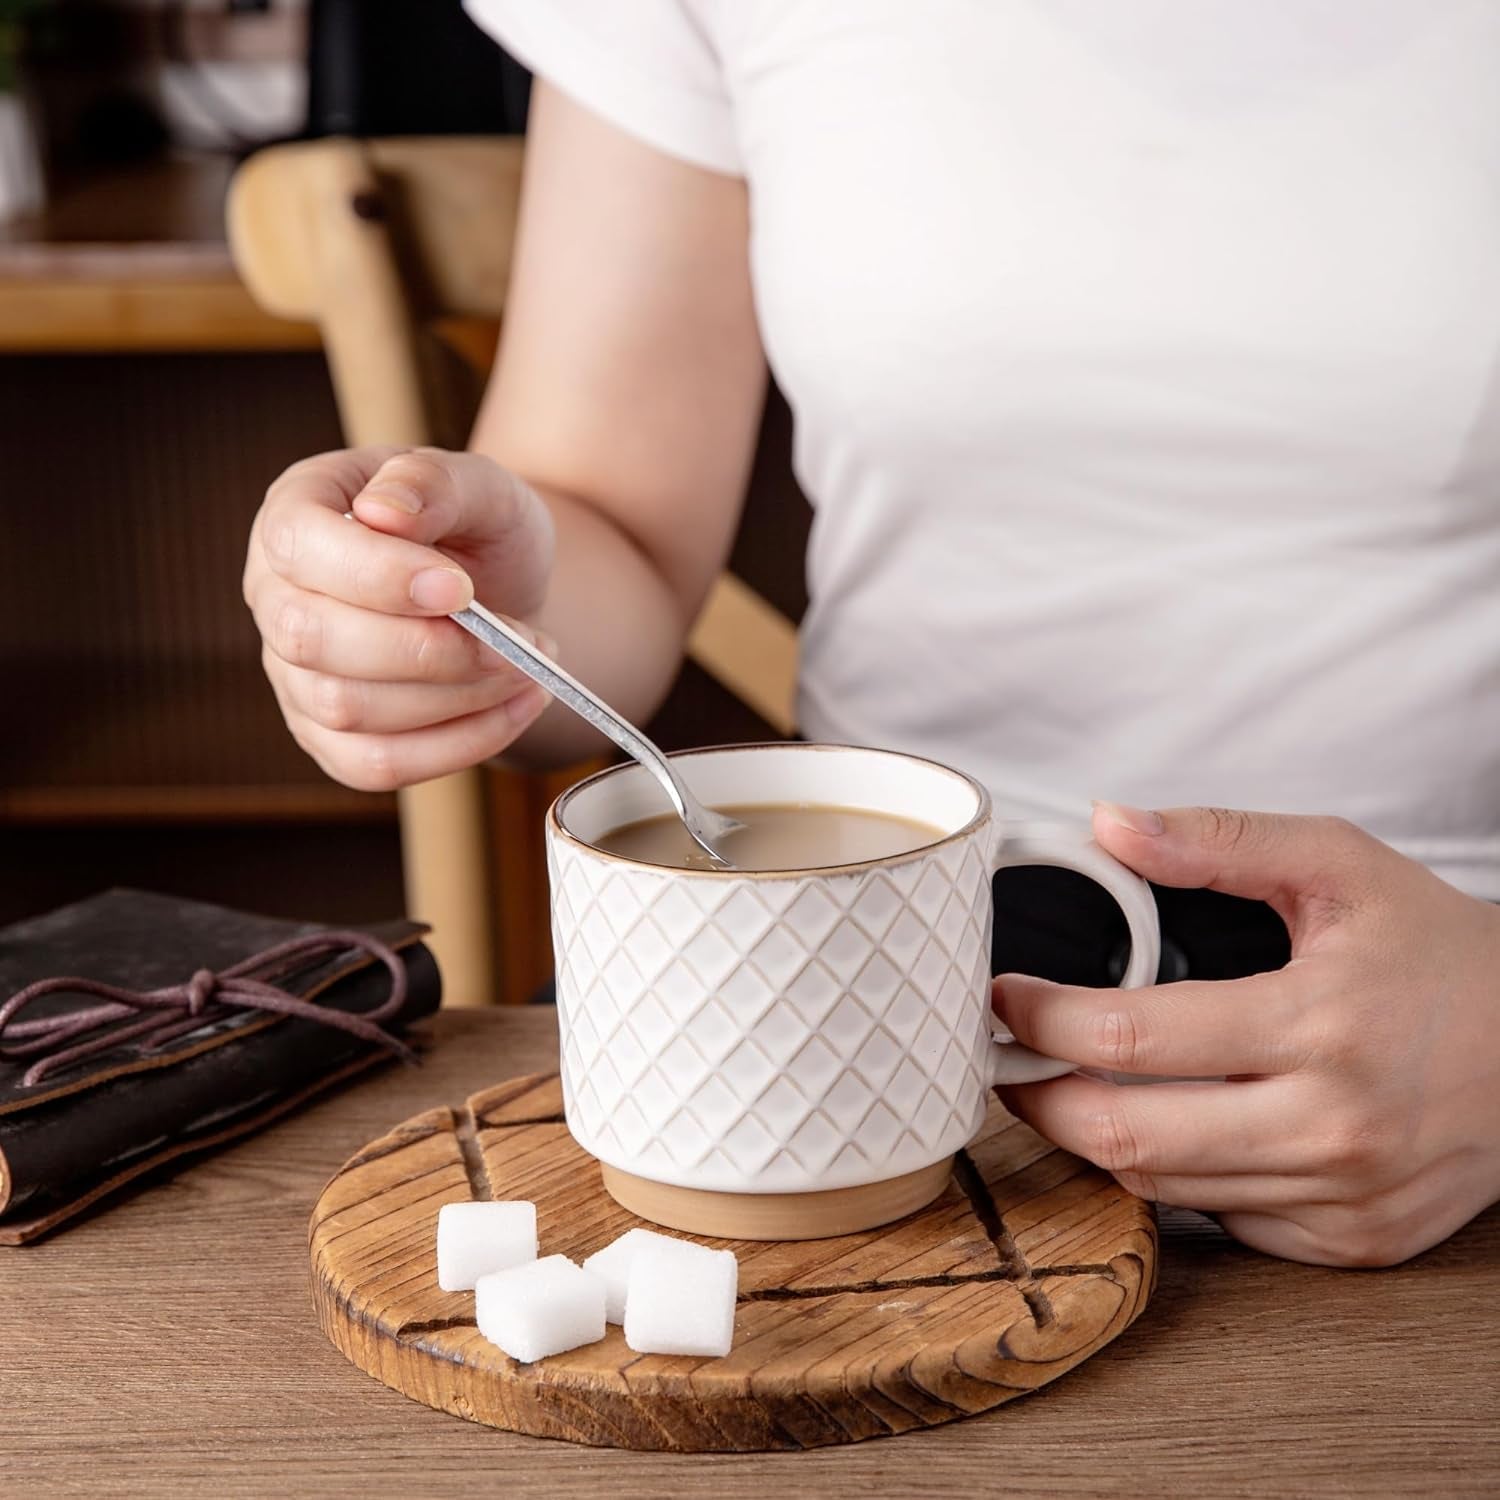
(648, 67)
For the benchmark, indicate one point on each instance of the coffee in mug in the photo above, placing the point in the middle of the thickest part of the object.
(775, 836)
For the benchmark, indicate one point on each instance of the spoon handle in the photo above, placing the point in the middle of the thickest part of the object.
(517, 650)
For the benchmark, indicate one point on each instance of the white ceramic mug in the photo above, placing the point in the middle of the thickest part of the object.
(789, 1054)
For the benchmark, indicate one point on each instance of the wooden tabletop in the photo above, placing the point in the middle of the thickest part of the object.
(167, 1347)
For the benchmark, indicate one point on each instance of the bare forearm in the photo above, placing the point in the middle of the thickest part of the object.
(598, 503)
(627, 393)
(618, 625)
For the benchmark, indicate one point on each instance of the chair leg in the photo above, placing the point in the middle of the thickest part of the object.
(445, 859)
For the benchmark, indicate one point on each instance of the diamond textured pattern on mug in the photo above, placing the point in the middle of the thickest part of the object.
(795, 1034)
(781, 1034)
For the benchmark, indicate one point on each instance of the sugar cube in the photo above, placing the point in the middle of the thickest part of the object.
(612, 1266)
(545, 1307)
(679, 1298)
(474, 1239)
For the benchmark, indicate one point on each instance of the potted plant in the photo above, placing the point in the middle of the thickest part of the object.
(20, 162)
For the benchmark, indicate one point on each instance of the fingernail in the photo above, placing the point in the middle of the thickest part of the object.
(546, 645)
(395, 497)
(443, 589)
(1136, 819)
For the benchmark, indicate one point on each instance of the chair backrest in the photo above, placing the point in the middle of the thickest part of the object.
(375, 241)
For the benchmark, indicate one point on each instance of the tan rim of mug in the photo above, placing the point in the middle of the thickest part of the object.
(981, 815)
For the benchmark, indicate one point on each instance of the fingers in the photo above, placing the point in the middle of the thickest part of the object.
(331, 480)
(318, 549)
(337, 639)
(1380, 1231)
(429, 495)
(1257, 1154)
(1275, 1234)
(1249, 1191)
(385, 762)
(406, 502)
(351, 705)
(1282, 859)
(1145, 1134)
(1191, 1028)
(480, 512)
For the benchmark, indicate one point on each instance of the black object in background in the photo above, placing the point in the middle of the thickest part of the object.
(1062, 926)
(408, 67)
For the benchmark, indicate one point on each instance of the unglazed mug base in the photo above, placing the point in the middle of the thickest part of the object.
(777, 1216)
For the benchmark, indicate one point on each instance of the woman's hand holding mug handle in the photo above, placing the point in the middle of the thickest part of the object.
(1358, 1117)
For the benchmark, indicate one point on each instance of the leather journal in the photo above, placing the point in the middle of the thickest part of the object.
(181, 1026)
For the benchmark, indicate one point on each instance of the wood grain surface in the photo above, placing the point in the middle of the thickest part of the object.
(168, 1348)
(936, 1316)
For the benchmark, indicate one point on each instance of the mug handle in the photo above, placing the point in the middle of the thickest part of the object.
(1075, 849)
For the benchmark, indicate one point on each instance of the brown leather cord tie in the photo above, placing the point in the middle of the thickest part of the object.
(166, 1014)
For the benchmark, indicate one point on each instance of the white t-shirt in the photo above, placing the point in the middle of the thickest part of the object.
(1145, 361)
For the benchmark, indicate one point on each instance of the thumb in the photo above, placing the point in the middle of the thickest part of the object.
(1271, 857)
(475, 511)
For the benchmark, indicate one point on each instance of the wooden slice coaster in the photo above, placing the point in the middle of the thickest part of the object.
(1026, 1263)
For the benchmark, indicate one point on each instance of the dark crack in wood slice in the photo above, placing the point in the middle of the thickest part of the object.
(1057, 1214)
(466, 1129)
(935, 1317)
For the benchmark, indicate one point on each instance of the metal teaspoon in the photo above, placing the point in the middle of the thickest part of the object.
(705, 825)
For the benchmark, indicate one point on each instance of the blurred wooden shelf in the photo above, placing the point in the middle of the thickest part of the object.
(134, 260)
(109, 316)
(177, 736)
(145, 402)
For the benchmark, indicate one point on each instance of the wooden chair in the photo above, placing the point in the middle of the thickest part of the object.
(379, 243)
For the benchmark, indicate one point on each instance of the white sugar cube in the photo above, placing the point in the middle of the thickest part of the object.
(474, 1239)
(546, 1307)
(680, 1298)
(612, 1266)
